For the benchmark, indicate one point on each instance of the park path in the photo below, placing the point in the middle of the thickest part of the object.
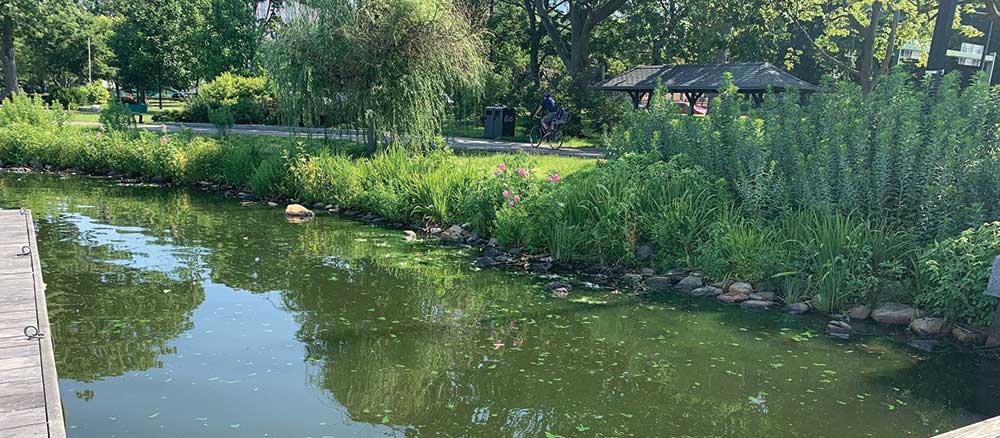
(457, 143)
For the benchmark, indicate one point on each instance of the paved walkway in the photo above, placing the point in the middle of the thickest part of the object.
(29, 388)
(457, 143)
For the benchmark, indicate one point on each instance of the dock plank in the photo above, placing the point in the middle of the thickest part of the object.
(30, 404)
(984, 429)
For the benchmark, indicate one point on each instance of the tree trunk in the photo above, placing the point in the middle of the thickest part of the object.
(722, 52)
(534, 44)
(890, 48)
(7, 47)
(657, 55)
(866, 62)
(937, 59)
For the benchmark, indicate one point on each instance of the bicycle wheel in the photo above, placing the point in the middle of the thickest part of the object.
(535, 136)
(556, 139)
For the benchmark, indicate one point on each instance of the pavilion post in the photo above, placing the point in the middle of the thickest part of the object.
(692, 98)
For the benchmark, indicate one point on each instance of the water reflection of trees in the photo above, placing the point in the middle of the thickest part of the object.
(109, 318)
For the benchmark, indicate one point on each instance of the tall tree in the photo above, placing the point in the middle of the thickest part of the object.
(853, 37)
(388, 63)
(229, 38)
(64, 44)
(15, 16)
(154, 43)
(582, 18)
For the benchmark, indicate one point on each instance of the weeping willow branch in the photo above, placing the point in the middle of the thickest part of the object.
(384, 62)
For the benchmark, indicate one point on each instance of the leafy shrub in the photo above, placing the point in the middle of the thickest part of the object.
(69, 97)
(900, 153)
(958, 270)
(96, 94)
(22, 109)
(248, 99)
(116, 117)
(73, 97)
(222, 118)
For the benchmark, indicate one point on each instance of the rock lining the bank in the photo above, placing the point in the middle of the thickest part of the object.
(682, 280)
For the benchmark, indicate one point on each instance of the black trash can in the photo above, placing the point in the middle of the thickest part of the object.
(499, 122)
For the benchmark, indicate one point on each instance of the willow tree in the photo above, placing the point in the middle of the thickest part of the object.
(389, 64)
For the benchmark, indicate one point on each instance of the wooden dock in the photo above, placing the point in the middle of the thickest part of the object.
(29, 388)
(984, 429)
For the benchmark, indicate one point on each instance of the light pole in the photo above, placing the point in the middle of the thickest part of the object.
(90, 64)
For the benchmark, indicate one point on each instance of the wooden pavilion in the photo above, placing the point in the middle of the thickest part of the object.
(753, 79)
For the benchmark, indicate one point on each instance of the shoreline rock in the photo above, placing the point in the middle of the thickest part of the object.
(298, 211)
(894, 314)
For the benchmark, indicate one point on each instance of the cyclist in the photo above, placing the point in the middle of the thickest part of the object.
(552, 111)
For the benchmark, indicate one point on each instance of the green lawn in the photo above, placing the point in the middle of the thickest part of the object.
(477, 132)
(154, 108)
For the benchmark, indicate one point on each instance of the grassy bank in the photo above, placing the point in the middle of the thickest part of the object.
(848, 199)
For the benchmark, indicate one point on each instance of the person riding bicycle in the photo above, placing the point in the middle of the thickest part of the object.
(552, 110)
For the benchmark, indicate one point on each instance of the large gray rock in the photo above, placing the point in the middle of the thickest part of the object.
(797, 308)
(967, 335)
(690, 283)
(733, 298)
(740, 287)
(859, 312)
(839, 329)
(894, 313)
(485, 262)
(454, 234)
(298, 211)
(706, 291)
(659, 284)
(756, 305)
(644, 252)
(927, 326)
(763, 296)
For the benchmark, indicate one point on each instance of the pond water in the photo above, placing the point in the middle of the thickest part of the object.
(178, 313)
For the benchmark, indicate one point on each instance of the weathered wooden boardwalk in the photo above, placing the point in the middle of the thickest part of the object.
(29, 389)
(984, 429)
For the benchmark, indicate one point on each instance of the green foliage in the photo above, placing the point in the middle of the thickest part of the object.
(25, 110)
(95, 94)
(389, 63)
(958, 270)
(69, 97)
(117, 117)
(223, 118)
(243, 99)
(899, 154)
(73, 97)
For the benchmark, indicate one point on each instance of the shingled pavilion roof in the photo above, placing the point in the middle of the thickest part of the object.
(749, 77)
(753, 79)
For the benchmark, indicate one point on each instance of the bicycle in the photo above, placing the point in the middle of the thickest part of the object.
(553, 137)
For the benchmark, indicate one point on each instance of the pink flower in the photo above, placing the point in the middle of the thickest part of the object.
(163, 140)
(498, 344)
(506, 193)
(163, 129)
(517, 198)
(97, 136)
(554, 178)
(502, 167)
(511, 204)
(522, 172)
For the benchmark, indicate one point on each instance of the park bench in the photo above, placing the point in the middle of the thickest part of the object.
(138, 109)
